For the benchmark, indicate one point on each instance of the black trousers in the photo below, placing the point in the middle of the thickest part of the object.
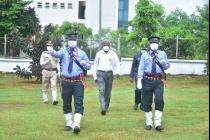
(150, 87)
(70, 90)
(137, 96)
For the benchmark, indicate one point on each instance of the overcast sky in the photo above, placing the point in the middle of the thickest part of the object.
(188, 6)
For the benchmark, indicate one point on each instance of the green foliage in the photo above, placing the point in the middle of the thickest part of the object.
(35, 53)
(126, 49)
(15, 42)
(203, 33)
(22, 73)
(148, 18)
(14, 14)
(146, 22)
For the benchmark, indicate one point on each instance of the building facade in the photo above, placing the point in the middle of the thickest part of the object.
(114, 13)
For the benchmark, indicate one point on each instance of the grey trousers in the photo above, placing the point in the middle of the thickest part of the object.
(105, 80)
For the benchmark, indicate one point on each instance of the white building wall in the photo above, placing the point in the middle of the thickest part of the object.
(92, 15)
(57, 16)
(110, 14)
(132, 9)
(195, 67)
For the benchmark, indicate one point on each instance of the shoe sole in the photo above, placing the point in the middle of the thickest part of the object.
(68, 129)
(55, 102)
(76, 130)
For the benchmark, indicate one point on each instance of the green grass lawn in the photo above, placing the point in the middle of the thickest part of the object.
(23, 116)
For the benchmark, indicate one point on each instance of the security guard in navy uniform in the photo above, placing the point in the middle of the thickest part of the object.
(133, 76)
(151, 78)
(74, 63)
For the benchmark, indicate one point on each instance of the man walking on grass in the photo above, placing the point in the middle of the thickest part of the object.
(106, 61)
(151, 78)
(74, 63)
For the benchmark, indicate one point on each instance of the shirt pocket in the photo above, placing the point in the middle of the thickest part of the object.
(148, 61)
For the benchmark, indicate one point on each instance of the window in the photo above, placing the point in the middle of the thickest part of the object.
(39, 5)
(62, 5)
(47, 5)
(82, 7)
(69, 5)
(123, 13)
(55, 5)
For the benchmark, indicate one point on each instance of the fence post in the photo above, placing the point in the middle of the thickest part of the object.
(177, 46)
(118, 46)
(5, 45)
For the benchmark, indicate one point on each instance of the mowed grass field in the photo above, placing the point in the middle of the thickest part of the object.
(23, 116)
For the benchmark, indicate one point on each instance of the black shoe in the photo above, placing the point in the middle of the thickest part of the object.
(67, 128)
(148, 127)
(159, 128)
(76, 129)
(55, 102)
(103, 112)
(135, 107)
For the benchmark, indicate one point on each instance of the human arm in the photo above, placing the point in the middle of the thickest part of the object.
(140, 73)
(85, 62)
(57, 54)
(117, 65)
(44, 60)
(164, 61)
(94, 68)
(132, 72)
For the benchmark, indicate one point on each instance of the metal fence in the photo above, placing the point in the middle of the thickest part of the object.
(178, 48)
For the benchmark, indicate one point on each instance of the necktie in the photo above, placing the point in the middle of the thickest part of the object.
(153, 63)
(70, 67)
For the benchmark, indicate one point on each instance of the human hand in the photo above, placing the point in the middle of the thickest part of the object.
(139, 83)
(83, 62)
(118, 76)
(163, 62)
(49, 48)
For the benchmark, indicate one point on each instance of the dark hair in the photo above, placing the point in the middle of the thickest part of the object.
(105, 43)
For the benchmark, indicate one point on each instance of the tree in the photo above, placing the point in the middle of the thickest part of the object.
(14, 14)
(178, 23)
(19, 23)
(203, 33)
(146, 22)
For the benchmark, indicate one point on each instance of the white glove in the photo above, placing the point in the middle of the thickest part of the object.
(139, 84)
(49, 48)
(83, 62)
(163, 62)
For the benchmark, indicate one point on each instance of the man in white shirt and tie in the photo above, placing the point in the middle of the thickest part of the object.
(105, 64)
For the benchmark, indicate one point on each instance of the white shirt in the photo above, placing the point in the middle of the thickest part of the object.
(106, 62)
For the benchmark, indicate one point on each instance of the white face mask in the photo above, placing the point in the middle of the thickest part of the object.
(106, 48)
(49, 47)
(72, 44)
(143, 51)
(154, 46)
